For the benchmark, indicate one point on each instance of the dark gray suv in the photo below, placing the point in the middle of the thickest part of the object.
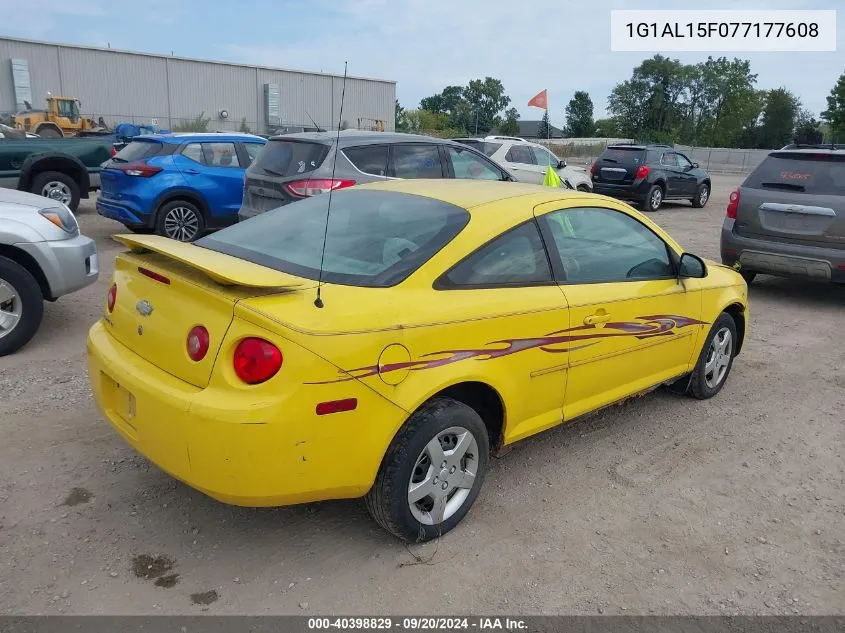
(295, 166)
(788, 217)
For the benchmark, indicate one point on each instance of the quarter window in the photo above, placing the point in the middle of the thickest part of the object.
(603, 245)
(517, 257)
(417, 161)
(252, 150)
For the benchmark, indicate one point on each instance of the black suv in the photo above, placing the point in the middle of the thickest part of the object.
(649, 175)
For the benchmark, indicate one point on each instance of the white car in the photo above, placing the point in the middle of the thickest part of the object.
(42, 257)
(528, 161)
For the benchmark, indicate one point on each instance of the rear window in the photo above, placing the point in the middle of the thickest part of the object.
(374, 238)
(289, 158)
(486, 147)
(623, 155)
(818, 174)
(138, 150)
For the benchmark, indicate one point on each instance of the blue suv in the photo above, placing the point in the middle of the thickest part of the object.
(177, 185)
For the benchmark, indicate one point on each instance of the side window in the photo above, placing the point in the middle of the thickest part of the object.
(670, 159)
(194, 152)
(370, 159)
(544, 157)
(417, 161)
(602, 245)
(683, 161)
(470, 166)
(252, 150)
(520, 154)
(221, 155)
(515, 258)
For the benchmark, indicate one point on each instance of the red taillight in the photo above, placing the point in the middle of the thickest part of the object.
(337, 406)
(197, 343)
(112, 297)
(141, 170)
(642, 172)
(733, 204)
(315, 186)
(113, 151)
(593, 169)
(256, 360)
(153, 275)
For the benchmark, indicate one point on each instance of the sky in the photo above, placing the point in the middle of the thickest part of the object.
(425, 45)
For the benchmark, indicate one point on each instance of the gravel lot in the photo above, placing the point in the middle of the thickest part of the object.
(663, 505)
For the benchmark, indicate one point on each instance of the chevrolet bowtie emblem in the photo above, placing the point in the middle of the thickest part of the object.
(144, 307)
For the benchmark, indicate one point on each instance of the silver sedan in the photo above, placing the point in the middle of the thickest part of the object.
(42, 257)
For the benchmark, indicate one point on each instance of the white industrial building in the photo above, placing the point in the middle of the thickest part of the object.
(144, 88)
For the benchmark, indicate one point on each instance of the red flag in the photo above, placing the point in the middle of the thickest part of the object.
(540, 100)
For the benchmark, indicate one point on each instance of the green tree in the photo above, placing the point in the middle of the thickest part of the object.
(731, 103)
(509, 125)
(445, 102)
(244, 127)
(579, 116)
(606, 128)
(486, 99)
(198, 124)
(544, 129)
(401, 122)
(627, 104)
(807, 129)
(835, 113)
(778, 119)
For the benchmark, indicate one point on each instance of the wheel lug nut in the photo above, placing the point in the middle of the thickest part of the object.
(451, 470)
(445, 485)
(436, 479)
(443, 465)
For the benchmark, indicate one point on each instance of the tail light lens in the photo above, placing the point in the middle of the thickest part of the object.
(113, 151)
(141, 170)
(256, 360)
(733, 204)
(316, 186)
(642, 172)
(197, 343)
(593, 169)
(111, 297)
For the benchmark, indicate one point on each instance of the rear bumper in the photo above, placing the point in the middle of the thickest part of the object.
(636, 191)
(68, 265)
(123, 214)
(781, 258)
(231, 444)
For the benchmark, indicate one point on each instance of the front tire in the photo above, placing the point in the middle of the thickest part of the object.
(57, 186)
(432, 471)
(716, 359)
(702, 195)
(654, 199)
(21, 306)
(584, 188)
(180, 220)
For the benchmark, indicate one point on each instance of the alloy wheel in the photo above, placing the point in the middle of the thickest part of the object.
(718, 358)
(181, 223)
(11, 308)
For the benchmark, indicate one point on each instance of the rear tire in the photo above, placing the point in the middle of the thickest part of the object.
(21, 306)
(457, 437)
(715, 360)
(180, 220)
(748, 275)
(584, 188)
(702, 195)
(654, 199)
(58, 186)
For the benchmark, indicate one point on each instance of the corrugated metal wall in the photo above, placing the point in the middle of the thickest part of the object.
(122, 86)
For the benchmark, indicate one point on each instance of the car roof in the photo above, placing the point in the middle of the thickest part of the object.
(811, 151)
(181, 137)
(469, 194)
(638, 146)
(361, 137)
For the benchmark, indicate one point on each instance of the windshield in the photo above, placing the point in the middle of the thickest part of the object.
(374, 239)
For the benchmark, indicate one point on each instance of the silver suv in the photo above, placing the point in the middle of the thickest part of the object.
(788, 217)
(295, 166)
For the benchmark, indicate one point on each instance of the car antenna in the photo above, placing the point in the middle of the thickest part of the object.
(319, 301)
(313, 121)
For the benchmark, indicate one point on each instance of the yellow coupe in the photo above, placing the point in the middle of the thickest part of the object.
(454, 318)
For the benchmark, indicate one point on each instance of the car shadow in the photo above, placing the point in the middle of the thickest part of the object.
(820, 293)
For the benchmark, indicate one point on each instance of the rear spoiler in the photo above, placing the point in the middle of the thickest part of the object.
(224, 269)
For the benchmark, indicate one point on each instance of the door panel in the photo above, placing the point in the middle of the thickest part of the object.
(214, 170)
(520, 161)
(689, 180)
(633, 323)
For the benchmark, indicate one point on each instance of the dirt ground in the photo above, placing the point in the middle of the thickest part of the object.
(664, 505)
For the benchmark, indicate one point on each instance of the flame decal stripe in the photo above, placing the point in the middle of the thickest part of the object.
(645, 327)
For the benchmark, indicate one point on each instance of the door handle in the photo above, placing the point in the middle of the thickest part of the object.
(599, 317)
(193, 172)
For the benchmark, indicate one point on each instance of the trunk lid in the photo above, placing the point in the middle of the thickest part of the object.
(795, 197)
(165, 288)
(619, 164)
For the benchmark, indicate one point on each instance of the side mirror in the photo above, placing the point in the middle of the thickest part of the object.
(561, 164)
(695, 165)
(692, 267)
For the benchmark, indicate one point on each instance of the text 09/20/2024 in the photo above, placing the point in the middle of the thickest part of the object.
(723, 30)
